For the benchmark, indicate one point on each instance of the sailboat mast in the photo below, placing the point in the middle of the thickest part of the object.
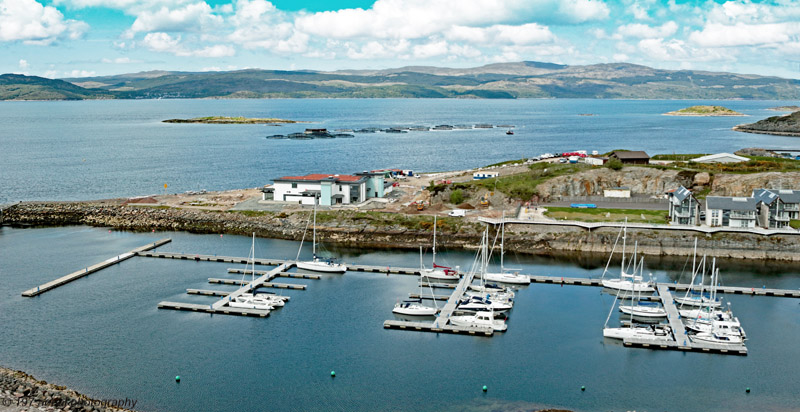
(314, 238)
(502, 241)
(434, 239)
(624, 237)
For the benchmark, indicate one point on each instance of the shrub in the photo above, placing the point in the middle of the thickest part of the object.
(614, 164)
(457, 197)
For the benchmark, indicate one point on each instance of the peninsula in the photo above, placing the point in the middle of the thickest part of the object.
(230, 120)
(705, 111)
(785, 108)
(785, 125)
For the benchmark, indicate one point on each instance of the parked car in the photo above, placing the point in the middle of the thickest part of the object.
(457, 213)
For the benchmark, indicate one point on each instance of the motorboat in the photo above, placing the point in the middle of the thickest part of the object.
(719, 338)
(273, 300)
(251, 302)
(480, 319)
(317, 264)
(719, 327)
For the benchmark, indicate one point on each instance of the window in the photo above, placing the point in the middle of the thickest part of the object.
(340, 188)
(294, 185)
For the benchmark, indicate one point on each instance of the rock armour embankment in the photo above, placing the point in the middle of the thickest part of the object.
(529, 239)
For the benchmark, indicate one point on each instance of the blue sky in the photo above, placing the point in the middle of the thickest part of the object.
(78, 38)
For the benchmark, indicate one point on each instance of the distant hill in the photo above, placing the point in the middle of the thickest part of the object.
(501, 80)
(786, 125)
(20, 87)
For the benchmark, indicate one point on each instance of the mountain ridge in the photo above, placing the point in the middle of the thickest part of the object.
(526, 79)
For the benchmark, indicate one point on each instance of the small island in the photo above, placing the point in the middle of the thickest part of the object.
(785, 108)
(705, 111)
(230, 120)
(786, 125)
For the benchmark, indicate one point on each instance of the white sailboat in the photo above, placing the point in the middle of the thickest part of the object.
(414, 307)
(649, 310)
(437, 272)
(699, 299)
(249, 300)
(483, 303)
(626, 282)
(317, 264)
(651, 332)
(511, 276)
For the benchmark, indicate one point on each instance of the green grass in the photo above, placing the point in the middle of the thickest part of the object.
(607, 215)
(794, 224)
(252, 213)
(508, 162)
(522, 186)
(705, 110)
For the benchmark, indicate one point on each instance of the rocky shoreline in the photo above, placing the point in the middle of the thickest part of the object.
(22, 392)
(364, 230)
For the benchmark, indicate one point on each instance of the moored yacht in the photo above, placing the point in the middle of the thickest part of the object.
(480, 319)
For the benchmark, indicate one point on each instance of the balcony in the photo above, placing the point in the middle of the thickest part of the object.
(792, 207)
(681, 213)
(743, 215)
(782, 217)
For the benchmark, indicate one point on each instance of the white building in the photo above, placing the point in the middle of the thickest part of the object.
(684, 209)
(484, 175)
(731, 211)
(330, 189)
(617, 192)
(720, 158)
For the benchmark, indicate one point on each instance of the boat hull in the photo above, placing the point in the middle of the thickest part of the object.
(511, 278)
(322, 267)
(643, 312)
(627, 285)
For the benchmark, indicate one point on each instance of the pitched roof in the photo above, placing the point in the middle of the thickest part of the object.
(731, 203)
(764, 195)
(680, 193)
(788, 196)
(633, 154)
(719, 157)
(316, 177)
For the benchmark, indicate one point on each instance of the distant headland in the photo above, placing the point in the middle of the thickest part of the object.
(785, 125)
(705, 111)
(230, 120)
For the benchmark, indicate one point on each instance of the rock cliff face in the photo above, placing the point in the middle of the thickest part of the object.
(743, 184)
(641, 180)
(528, 238)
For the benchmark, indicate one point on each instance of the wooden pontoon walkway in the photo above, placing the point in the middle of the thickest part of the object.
(221, 306)
(92, 269)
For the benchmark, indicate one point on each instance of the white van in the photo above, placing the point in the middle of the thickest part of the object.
(457, 213)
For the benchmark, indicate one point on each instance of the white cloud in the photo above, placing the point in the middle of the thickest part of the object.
(51, 74)
(677, 50)
(80, 73)
(120, 60)
(740, 34)
(191, 17)
(164, 43)
(420, 19)
(259, 25)
(23, 64)
(620, 57)
(643, 31)
(31, 22)
(530, 33)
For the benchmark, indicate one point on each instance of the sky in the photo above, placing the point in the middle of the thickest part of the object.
(81, 38)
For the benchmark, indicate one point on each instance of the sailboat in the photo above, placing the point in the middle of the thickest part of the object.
(250, 300)
(316, 264)
(699, 299)
(436, 272)
(480, 319)
(483, 303)
(511, 276)
(414, 307)
(626, 282)
(657, 332)
(638, 308)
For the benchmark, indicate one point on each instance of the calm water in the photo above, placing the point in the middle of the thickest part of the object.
(102, 149)
(103, 335)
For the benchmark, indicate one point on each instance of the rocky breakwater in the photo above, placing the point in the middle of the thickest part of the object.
(21, 392)
(743, 184)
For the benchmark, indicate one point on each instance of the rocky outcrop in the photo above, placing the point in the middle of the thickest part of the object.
(641, 180)
(743, 184)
